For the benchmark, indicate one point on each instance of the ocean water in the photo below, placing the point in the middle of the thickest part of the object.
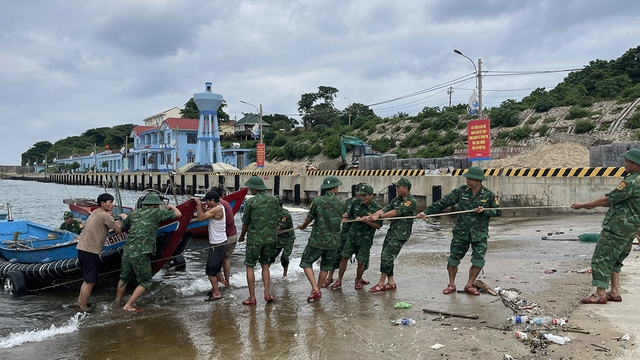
(176, 322)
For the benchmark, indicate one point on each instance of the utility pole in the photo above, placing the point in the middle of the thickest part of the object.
(449, 92)
(261, 124)
(349, 110)
(480, 112)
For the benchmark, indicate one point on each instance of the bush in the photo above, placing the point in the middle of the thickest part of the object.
(446, 121)
(520, 133)
(414, 140)
(382, 145)
(542, 129)
(408, 128)
(280, 140)
(633, 122)
(314, 150)
(425, 124)
(402, 153)
(549, 120)
(577, 112)
(603, 127)
(636, 135)
(533, 120)
(331, 147)
(584, 126)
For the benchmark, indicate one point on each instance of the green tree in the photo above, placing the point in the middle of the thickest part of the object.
(506, 115)
(191, 111)
(318, 108)
(331, 147)
(104, 164)
(584, 126)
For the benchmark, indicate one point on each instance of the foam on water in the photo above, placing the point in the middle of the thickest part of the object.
(15, 339)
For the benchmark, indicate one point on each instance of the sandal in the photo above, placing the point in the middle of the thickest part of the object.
(250, 301)
(358, 285)
(364, 282)
(597, 300)
(132, 309)
(614, 298)
(449, 289)
(326, 283)
(376, 289)
(315, 295)
(471, 290)
(212, 298)
(336, 285)
(388, 287)
(268, 298)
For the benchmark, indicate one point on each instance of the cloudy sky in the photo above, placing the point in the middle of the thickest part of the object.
(68, 66)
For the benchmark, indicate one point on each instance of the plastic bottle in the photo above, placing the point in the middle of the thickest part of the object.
(521, 335)
(559, 321)
(542, 320)
(556, 338)
(519, 319)
(404, 321)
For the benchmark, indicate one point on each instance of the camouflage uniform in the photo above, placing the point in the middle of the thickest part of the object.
(143, 224)
(470, 228)
(619, 227)
(360, 238)
(398, 233)
(344, 234)
(285, 241)
(75, 227)
(261, 218)
(323, 243)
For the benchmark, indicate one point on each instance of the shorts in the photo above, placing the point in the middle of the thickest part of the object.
(89, 263)
(312, 254)
(232, 241)
(136, 267)
(214, 259)
(362, 251)
(258, 253)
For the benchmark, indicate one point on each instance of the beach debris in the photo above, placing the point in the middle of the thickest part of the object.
(484, 287)
(626, 337)
(510, 277)
(577, 330)
(560, 340)
(436, 346)
(511, 299)
(521, 335)
(507, 357)
(402, 305)
(601, 348)
(439, 312)
(586, 270)
(550, 271)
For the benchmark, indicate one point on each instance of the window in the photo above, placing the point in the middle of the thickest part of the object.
(192, 138)
(191, 158)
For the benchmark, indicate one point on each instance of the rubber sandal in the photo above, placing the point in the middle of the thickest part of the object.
(132, 309)
(327, 282)
(614, 298)
(315, 295)
(336, 285)
(212, 298)
(598, 300)
(268, 298)
(250, 302)
(449, 289)
(358, 286)
(364, 282)
(388, 287)
(376, 289)
(209, 293)
(471, 290)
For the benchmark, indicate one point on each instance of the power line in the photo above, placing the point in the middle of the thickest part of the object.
(430, 89)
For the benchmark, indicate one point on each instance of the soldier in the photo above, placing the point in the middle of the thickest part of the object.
(71, 224)
(344, 232)
(136, 264)
(285, 240)
(399, 231)
(619, 228)
(259, 224)
(360, 237)
(323, 243)
(470, 229)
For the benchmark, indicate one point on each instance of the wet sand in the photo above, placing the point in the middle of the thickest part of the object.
(349, 323)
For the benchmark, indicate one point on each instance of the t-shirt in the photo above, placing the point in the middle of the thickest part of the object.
(217, 234)
(229, 218)
(95, 231)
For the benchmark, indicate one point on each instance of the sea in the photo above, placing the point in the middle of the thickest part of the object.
(176, 323)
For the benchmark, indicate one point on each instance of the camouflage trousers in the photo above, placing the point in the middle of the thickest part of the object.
(362, 250)
(611, 250)
(136, 266)
(460, 247)
(286, 247)
(390, 250)
(338, 258)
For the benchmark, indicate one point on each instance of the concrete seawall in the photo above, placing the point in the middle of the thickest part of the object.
(556, 193)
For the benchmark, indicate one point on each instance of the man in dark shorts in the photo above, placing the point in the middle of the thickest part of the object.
(90, 244)
(136, 264)
(215, 215)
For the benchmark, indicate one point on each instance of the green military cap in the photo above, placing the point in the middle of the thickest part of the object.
(151, 199)
(633, 155)
(330, 182)
(475, 173)
(68, 215)
(255, 182)
(364, 189)
(403, 182)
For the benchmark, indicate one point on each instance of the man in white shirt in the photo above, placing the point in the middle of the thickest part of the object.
(217, 238)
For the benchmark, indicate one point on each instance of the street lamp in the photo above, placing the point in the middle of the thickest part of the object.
(259, 116)
(349, 110)
(478, 72)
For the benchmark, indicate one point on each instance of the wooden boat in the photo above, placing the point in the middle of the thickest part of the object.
(27, 242)
(20, 277)
(82, 208)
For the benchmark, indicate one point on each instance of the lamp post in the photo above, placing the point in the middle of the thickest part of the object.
(478, 71)
(259, 116)
(349, 110)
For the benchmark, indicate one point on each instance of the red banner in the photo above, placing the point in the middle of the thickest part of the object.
(479, 140)
(260, 151)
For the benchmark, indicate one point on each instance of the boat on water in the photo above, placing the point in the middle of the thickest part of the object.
(82, 208)
(35, 256)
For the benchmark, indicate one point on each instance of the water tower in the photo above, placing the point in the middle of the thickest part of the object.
(208, 133)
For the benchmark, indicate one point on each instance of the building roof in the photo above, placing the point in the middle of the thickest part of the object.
(139, 129)
(249, 119)
(182, 124)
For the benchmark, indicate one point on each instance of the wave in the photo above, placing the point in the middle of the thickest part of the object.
(15, 339)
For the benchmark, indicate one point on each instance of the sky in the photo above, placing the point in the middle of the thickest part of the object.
(69, 66)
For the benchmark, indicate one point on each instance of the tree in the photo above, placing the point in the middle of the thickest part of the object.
(314, 112)
(280, 120)
(191, 111)
(505, 115)
(104, 164)
(37, 151)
